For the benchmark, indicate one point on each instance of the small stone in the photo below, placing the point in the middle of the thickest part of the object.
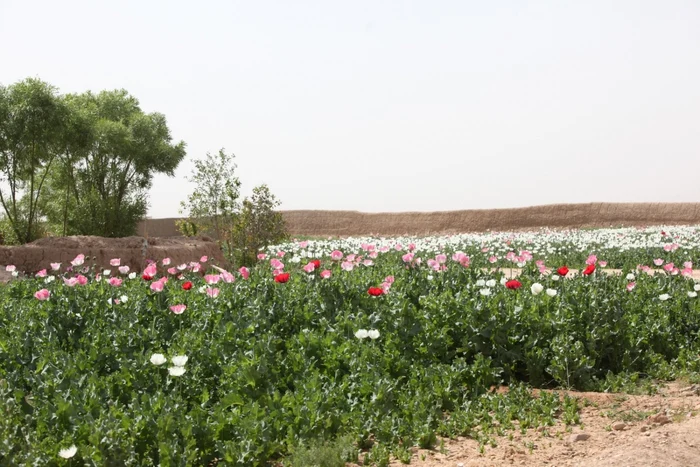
(660, 418)
(619, 426)
(644, 428)
(579, 437)
(648, 433)
(460, 464)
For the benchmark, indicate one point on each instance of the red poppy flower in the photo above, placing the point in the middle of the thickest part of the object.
(282, 278)
(146, 277)
(563, 271)
(513, 284)
(187, 285)
(316, 263)
(589, 270)
(375, 291)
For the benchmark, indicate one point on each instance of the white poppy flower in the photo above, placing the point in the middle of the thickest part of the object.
(692, 294)
(664, 297)
(491, 283)
(362, 334)
(630, 277)
(179, 360)
(124, 298)
(696, 287)
(132, 275)
(373, 334)
(551, 292)
(158, 359)
(480, 283)
(68, 452)
(536, 288)
(485, 292)
(555, 277)
(176, 370)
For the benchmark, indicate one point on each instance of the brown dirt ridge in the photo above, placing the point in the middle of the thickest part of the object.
(556, 216)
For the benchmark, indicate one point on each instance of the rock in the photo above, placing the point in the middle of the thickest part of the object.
(619, 426)
(579, 437)
(660, 418)
(644, 428)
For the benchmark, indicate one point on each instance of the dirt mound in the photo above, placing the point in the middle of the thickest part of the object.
(133, 251)
(617, 430)
(346, 223)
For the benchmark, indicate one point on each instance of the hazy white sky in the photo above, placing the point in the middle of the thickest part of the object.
(395, 105)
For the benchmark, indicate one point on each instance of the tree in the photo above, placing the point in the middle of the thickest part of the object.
(213, 206)
(32, 136)
(257, 226)
(114, 149)
(241, 228)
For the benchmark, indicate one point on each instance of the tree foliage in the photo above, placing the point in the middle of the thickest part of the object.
(80, 163)
(242, 228)
(32, 138)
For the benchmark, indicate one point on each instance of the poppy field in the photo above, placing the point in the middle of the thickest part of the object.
(387, 343)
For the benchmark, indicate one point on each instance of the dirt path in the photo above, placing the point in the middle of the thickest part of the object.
(658, 430)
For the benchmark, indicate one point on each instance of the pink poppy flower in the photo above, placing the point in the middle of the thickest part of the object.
(172, 271)
(196, 267)
(227, 277)
(645, 268)
(411, 246)
(602, 264)
(687, 272)
(42, 294)
(350, 258)
(41, 273)
(668, 267)
(389, 279)
(347, 266)
(157, 286)
(55, 266)
(124, 269)
(398, 247)
(115, 262)
(407, 258)
(203, 259)
(262, 256)
(115, 282)
(213, 293)
(688, 265)
(384, 249)
(592, 259)
(368, 262)
(178, 309)
(441, 259)
(244, 272)
(325, 274)
(631, 286)
(181, 267)
(276, 264)
(166, 262)
(373, 254)
(485, 249)
(151, 270)
(78, 260)
(658, 261)
(303, 244)
(309, 267)
(70, 282)
(493, 259)
(212, 278)
(280, 254)
(336, 255)
(82, 280)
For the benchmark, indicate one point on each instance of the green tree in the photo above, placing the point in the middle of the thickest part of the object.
(258, 226)
(241, 228)
(114, 149)
(32, 138)
(214, 205)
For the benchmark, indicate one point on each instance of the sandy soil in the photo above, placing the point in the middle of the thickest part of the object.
(616, 430)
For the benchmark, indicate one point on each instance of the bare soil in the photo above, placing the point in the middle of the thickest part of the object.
(622, 430)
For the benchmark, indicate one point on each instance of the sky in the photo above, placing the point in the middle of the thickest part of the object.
(389, 106)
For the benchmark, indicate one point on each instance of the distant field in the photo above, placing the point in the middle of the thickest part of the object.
(345, 223)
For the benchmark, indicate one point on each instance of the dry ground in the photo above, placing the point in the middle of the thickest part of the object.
(620, 430)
